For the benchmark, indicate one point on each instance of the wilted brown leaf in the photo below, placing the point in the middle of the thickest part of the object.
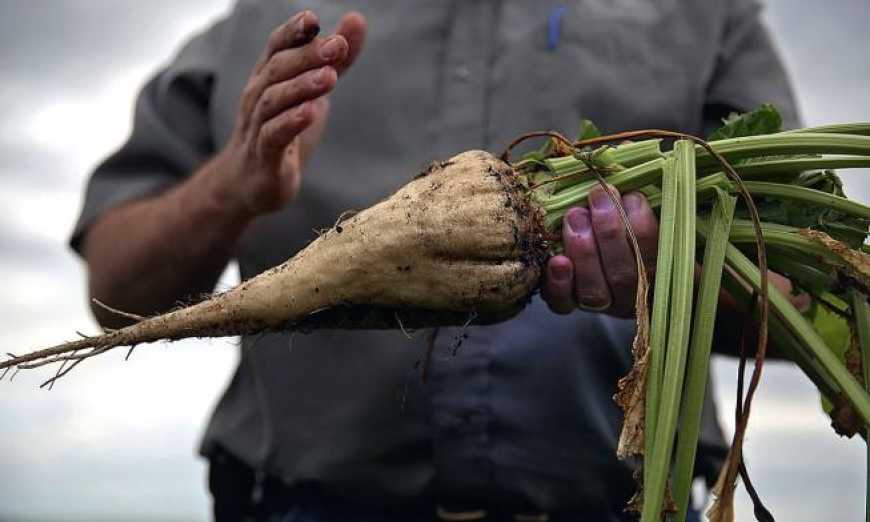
(853, 264)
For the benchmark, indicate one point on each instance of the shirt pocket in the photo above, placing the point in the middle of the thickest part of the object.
(624, 66)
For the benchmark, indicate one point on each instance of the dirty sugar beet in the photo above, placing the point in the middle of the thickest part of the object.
(460, 238)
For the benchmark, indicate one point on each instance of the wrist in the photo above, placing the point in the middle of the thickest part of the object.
(210, 205)
(212, 190)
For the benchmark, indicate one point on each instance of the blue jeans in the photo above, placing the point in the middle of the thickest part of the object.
(240, 495)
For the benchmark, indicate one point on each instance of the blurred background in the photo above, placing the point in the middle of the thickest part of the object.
(117, 440)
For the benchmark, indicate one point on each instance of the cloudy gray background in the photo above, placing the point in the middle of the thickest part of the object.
(117, 440)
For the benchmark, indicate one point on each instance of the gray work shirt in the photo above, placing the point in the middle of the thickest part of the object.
(518, 413)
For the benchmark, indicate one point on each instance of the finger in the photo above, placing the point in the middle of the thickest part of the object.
(297, 153)
(352, 27)
(300, 29)
(282, 96)
(276, 134)
(590, 286)
(290, 172)
(616, 256)
(311, 136)
(298, 150)
(801, 301)
(290, 63)
(558, 290)
(645, 227)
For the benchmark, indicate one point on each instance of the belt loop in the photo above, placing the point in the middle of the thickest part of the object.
(460, 516)
(532, 517)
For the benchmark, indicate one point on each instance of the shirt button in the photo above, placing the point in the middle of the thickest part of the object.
(462, 73)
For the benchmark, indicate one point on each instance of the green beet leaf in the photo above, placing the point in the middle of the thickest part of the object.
(588, 130)
(763, 120)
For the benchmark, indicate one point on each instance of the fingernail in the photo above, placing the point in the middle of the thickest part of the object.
(633, 202)
(306, 26)
(560, 272)
(302, 111)
(578, 221)
(600, 200)
(330, 48)
(319, 77)
(593, 303)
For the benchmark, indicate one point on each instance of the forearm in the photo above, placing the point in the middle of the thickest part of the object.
(148, 255)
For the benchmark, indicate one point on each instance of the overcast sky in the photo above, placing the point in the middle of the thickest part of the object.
(117, 440)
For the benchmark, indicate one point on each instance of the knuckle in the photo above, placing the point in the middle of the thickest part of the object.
(608, 229)
(644, 228)
(304, 84)
(276, 37)
(249, 94)
(273, 96)
(279, 64)
(622, 277)
(293, 62)
(250, 90)
(251, 151)
(590, 285)
(300, 117)
(581, 248)
(267, 100)
(307, 58)
(279, 131)
(292, 91)
(319, 78)
(311, 53)
(267, 136)
(590, 282)
(271, 70)
(278, 67)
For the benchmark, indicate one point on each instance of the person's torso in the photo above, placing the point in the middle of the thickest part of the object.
(521, 410)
